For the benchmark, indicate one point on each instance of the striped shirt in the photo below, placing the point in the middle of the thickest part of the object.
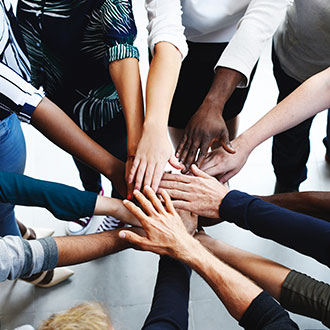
(70, 45)
(17, 95)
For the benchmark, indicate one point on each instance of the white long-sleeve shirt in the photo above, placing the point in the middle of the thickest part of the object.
(245, 24)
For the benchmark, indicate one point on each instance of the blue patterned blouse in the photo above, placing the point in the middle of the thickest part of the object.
(70, 44)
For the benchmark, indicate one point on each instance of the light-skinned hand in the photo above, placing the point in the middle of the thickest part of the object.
(165, 231)
(152, 155)
(200, 194)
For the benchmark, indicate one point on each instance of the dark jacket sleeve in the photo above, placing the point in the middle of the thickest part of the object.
(65, 202)
(303, 233)
(169, 309)
(264, 313)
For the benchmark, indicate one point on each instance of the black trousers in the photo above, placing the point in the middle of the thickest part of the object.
(113, 138)
(291, 148)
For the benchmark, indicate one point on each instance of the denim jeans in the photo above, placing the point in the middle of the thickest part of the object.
(12, 159)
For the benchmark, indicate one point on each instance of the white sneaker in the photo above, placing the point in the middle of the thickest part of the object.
(78, 227)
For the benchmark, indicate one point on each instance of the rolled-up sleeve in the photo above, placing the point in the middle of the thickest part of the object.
(255, 28)
(18, 95)
(21, 258)
(119, 29)
(165, 24)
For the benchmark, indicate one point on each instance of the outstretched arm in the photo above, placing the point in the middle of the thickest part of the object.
(52, 122)
(166, 234)
(125, 74)
(313, 203)
(22, 258)
(311, 97)
(65, 202)
(155, 149)
(233, 69)
(203, 195)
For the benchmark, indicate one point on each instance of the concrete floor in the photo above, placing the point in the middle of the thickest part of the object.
(124, 282)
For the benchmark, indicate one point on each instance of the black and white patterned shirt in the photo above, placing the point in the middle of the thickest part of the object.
(17, 95)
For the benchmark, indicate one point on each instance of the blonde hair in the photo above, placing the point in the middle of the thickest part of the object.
(86, 316)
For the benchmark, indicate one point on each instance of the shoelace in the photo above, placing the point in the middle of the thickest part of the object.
(83, 221)
(109, 223)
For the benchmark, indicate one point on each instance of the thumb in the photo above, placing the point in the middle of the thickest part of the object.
(197, 172)
(131, 237)
(226, 143)
(175, 163)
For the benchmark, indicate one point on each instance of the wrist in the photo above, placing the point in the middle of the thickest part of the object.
(154, 127)
(185, 249)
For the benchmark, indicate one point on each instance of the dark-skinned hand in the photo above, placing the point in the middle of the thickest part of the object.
(204, 128)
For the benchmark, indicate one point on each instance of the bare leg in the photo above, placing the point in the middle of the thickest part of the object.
(267, 274)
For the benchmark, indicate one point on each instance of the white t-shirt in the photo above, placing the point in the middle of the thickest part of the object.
(245, 24)
(302, 42)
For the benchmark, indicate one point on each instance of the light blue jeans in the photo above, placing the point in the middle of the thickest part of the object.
(12, 159)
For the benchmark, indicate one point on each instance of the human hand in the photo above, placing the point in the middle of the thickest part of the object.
(117, 177)
(165, 231)
(204, 128)
(153, 152)
(189, 219)
(128, 167)
(200, 194)
(219, 163)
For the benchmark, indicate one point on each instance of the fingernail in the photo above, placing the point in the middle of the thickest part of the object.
(122, 234)
(129, 196)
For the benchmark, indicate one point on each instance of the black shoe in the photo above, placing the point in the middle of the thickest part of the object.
(282, 188)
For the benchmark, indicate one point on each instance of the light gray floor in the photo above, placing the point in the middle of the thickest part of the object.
(124, 282)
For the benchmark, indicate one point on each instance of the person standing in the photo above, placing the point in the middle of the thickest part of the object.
(82, 54)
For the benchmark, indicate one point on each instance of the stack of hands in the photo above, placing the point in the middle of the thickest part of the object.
(169, 225)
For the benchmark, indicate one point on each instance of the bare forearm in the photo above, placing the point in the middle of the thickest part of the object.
(311, 97)
(162, 79)
(235, 290)
(51, 121)
(224, 83)
(126, 77)
(313, 203)
(267, 274)
(77, 249)
(114, 207)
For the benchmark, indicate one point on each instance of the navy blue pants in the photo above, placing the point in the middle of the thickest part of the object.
(291, 148)
(113, 138)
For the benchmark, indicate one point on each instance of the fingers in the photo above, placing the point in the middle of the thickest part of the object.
(202, 153)
(176, 177)
(157, 204)
(227, 176)
(182, 205)
(140, 175)
(168, 203)
(149, 173)
(175, 163)
(168, 185)
(133, 238)
(179, 149)
(226, 143)
(159, 170)
(145, 203)
(191, 155)
(180, 195)
(134, 168)
(136, 211)
(197, 172)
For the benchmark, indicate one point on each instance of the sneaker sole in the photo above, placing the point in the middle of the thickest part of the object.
(80, 232)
